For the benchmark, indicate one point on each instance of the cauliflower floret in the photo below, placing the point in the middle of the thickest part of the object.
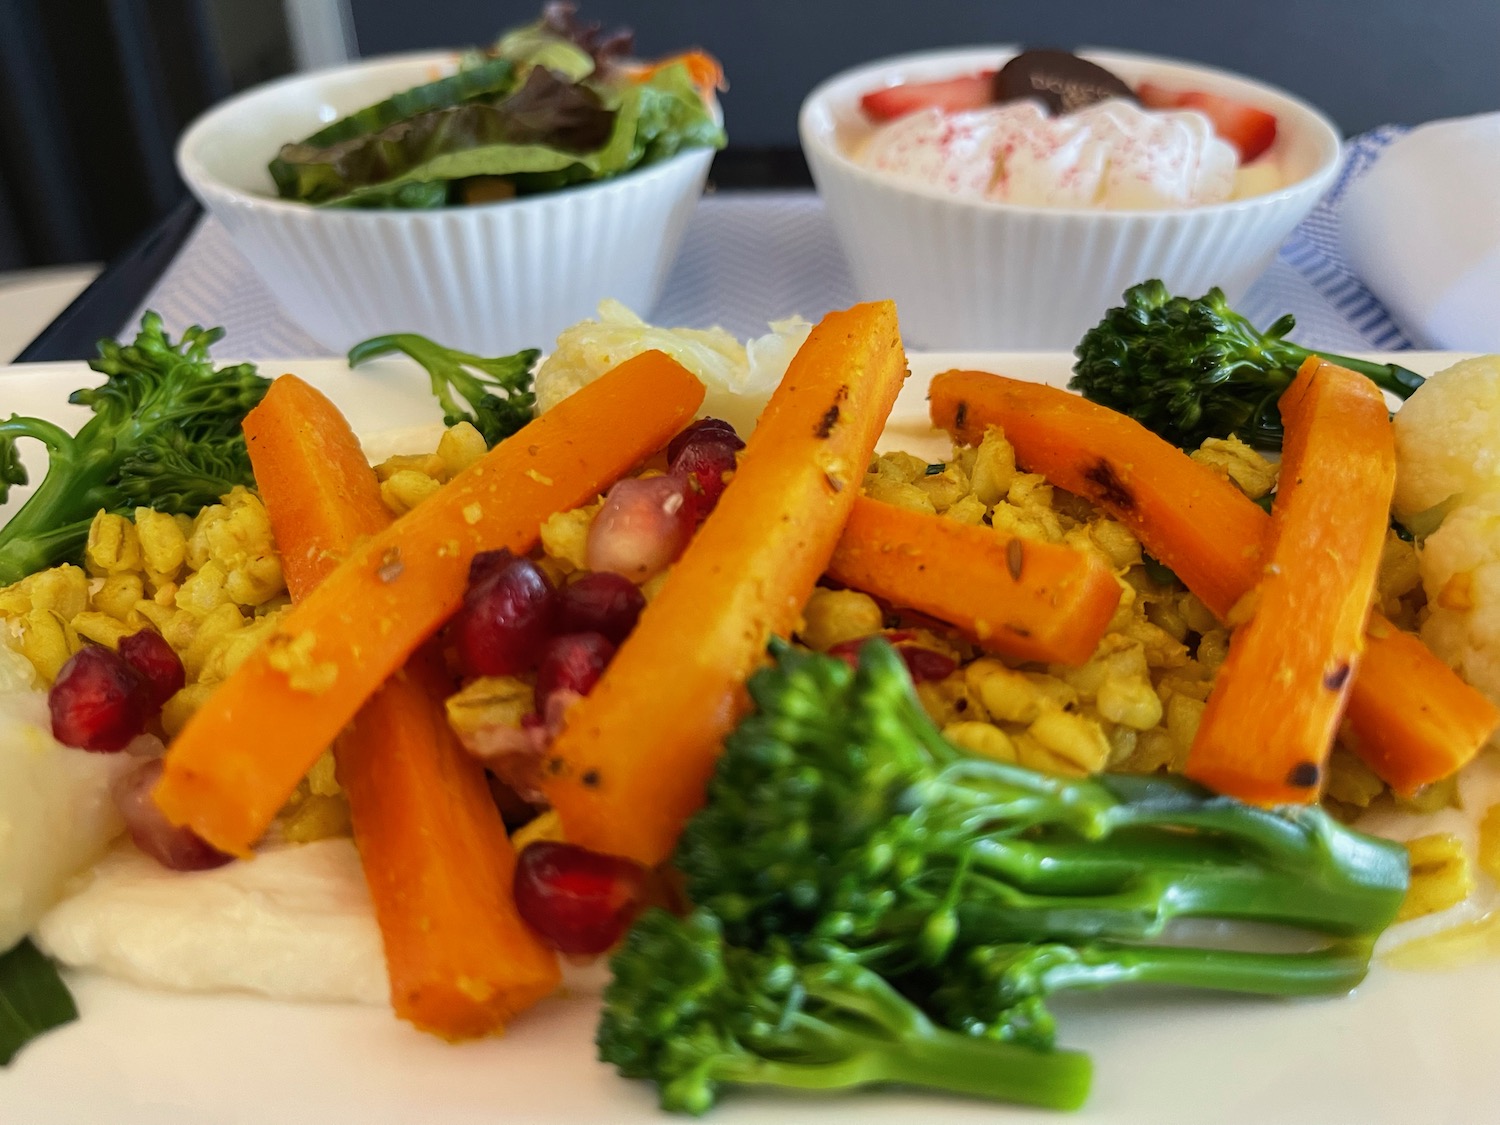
(1460, 564)
(739, 378)
(1448, 438)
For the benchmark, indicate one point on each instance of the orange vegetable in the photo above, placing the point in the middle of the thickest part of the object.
(1028, 600)
(318, 488)
(1414, 720)
(439, 864)
(1277, 701)
(704, 70)
(436, 857)
(239, 757)
(632, 762)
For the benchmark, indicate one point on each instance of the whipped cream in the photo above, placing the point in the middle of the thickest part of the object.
(1110, 155)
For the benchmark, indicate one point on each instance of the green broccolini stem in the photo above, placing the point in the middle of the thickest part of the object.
(935, 1059)
(1339, 968)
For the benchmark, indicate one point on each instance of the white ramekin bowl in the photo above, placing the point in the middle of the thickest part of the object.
(982, 275)
(490, 279)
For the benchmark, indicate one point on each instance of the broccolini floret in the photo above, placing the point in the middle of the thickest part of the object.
(496, 416)
(1195, 369)
(165, 435)
(691, 1013)
(839, 813)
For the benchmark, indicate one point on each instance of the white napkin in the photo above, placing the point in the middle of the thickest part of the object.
(1422, 228)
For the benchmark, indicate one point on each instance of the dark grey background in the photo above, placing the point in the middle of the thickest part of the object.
(1364, 62)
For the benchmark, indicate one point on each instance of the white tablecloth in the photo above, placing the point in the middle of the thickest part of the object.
(749, 257)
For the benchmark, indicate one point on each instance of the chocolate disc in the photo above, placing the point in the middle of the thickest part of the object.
(1061, 80)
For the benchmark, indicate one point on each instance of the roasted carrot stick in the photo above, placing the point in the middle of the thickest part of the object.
(439, 864)
(1025, 599)
(633, 759)
(435, 853)
(319, 490)
(1415, 721)
(242, 753)
(1276, 702)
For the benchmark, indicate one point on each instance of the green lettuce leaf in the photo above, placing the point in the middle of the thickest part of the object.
(33, 999)
(540, 127)
(298, 169)
(653, 121)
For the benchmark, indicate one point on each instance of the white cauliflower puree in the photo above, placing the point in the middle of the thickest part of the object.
(294, 924)
(56, 812)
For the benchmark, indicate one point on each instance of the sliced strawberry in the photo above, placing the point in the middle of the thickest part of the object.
(951, 95)
(1250, 130)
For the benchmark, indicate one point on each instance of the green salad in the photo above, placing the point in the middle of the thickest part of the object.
(552, 104)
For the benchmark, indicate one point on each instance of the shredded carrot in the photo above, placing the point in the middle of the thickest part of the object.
(704, 70)
(1025, 599)
(240, 756)
(1278, 698)
(631, 764)
(436, 857)
(1414, 720)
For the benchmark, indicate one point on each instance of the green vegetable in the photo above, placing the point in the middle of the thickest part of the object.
(165, 435)
(1191, 370)
(546, 107)
(838, 812)
(33, 999)
(302, 170)
(496, 416)
(690, 1013)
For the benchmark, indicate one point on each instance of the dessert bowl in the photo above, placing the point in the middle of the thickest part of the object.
(973, 273)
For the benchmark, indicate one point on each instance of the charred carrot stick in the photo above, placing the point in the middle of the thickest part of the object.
(1276, 702)
(1415, 721)
(631, 764)
(436, 857)
(1025, 599)
(239, 757)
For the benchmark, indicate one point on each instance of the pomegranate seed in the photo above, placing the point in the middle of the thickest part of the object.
(600, 602)
(714, 429)
(98, 701)
(506, 615)
(706, 464)
(158, 666)
(174, 847)
(922, 664)
(573, 662)
(925, 664)
(579, 901)
(642, 528)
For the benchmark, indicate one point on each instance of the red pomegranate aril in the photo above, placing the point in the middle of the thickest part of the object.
(922, 664)
(98, 701)
(158, 666)
(174, 847)
(715, 429)
(642, 528)
(926, 665)
(579, 902)
(600, 602)
(573, 662)
(708, 464)
(506, 615)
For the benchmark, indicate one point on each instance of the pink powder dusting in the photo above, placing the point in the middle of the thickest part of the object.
(1111, 155)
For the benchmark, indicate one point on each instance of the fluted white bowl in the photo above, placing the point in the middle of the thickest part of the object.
(490, 278)
(977, 274)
